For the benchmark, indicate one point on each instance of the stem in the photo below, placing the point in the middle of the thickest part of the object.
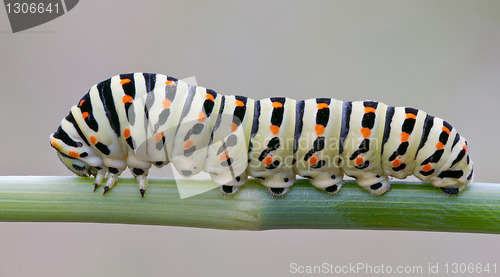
(408, 206)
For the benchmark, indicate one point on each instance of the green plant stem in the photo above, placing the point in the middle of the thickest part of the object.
(408, 206)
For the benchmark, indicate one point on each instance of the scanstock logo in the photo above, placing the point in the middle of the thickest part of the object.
(25, 14)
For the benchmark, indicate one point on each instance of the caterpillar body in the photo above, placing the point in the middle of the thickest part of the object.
(141, 119)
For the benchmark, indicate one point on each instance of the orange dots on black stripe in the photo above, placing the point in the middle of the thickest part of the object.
(439, 145)
(201, 117)
(188, 144)
(239, 103)
(277, 105)
(446, 130)
(322, 106)
(159, 136)
(359, 161)
(85, 115)
(267, 160)
(426, 167)
(369, 110)
(366, 132)
(127, 99)
(404, 137)
(74, 154)
(314, 159)
(234, 127)
(320, 129)
(396, 162)
(274, 129)
(81, 103)
(411, 116)
(166, 103)
(209, 97)
(223, 156)
(125, 81)
(126, 133)
(170, 83)
(93, 139)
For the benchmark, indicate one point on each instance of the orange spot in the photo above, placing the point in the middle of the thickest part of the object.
(396, 162)
(275, 129)
(170, 83)
(410, 115)
(322, 106)
(201, 117)
(55, 144)
(81, 103)
(359, 161)
(465, 148)
(369, 110)
(439, 145)
(320, 129)
(73, 154)
(313, 160)
(127, 99)
(126, 133)
(223, 156)
(239, 103)
(124, 81)
(210, 97)
(426, 167)
(166, 103)
(234, 127)
(93, 139)
(404, 136)
(158, 136)
(85, 115)
(267, 160)
(446, 130)
(277, 105)
(366, 132)
(188, 144)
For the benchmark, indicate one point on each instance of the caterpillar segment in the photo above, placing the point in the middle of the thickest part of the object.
(138, 120)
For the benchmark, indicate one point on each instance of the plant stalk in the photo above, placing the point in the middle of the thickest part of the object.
(408, 206)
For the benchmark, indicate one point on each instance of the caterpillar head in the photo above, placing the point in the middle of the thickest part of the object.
(72, 149)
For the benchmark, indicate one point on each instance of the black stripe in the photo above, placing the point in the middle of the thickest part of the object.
(447, 125)
(346, 117)
(429, 122)
(219, 117)
(108, 102)
(456, 140)
(451, 174)
(459, 158)
(239, 112)
(150, 81)
(387, 128)
(71, 119)
(87, 107)
(372, 104)
(299, 121)
(208, 105)
(277, 115)
(129, 88)
(103, 148)
(411, 110)
(62, 135)
(256, 115)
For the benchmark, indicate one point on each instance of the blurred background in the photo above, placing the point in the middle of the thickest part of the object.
(439, 56)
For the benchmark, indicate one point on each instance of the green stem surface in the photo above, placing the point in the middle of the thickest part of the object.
(408, 206)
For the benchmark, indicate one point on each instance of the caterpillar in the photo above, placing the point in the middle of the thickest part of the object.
(137, 120)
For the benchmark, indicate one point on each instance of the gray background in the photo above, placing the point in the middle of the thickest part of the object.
(440, 56)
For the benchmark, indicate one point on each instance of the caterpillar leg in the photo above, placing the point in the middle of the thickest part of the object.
(141, 176)
(233, 186)
(101, 173)
(376, 186)
(112, 179)
(329, 183)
